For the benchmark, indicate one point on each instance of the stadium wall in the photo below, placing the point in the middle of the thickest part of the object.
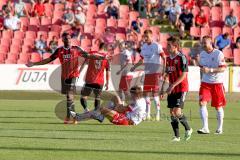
(47, 77)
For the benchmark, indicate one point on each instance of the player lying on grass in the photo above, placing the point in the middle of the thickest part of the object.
(115, 112)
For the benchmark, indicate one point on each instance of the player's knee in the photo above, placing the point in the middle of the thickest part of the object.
(174, 119)
(202, 103)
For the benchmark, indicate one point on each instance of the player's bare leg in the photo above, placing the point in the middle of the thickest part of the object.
(220, 116)
(204, 117)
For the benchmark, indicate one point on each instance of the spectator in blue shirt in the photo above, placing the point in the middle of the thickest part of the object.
(98, 2)
(41, 45)
(222, 41)
(231, 20)
(136, 24)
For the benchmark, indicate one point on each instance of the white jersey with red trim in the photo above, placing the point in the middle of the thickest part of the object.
(137, 111)
(126, 57)
(151, 54)
(214, 59)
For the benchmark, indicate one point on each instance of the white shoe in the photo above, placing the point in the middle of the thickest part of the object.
(203, 131)
(73, 114)
(176, 139)
(188, 134)
(157, 117)
(148, 117)
(218, 131)
(86, 110)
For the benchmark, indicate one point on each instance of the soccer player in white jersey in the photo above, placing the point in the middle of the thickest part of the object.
(153, 57)
(212, 65)
(126, 61)
(117, 113)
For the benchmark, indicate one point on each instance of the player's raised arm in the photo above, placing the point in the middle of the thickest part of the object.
(44, 61)
(90, 56)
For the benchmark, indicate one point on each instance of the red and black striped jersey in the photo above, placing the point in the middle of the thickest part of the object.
(69, 58)
(175, 66)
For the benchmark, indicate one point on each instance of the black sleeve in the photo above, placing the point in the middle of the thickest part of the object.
(184, 63)
(83, 53)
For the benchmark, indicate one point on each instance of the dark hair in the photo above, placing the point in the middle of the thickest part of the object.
(174, 40)
(148, 31)
(101, 45)
(137, 90)
(207, 37)
(65, 34)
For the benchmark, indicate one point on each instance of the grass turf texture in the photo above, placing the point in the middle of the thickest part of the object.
(30, 130)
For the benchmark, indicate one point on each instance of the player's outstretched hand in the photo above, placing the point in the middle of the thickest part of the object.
(118, 72)
(161, 95)
(30, 64)
(205, 70)
(106, 86)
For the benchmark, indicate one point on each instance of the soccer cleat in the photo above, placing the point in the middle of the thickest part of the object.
(97, 116)
(86, 110)
(188, 134)
(176, 139)
(203, 131)
(66, 120)
(73, 114)
(218, 131)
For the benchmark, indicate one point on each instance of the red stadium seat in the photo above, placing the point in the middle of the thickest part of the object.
(100, 8)
(33, 28)
(45, 34)
(91, 22)
(10, 61)
(228, 53)
(195, 31)
(205, 31)
(4, 49)
(24, 56)
(180, 2)
(56, 28)
(236, 54)
(12, 57)
(225, 3)
(227, 30)
(120, 36)
(52, 33)
(27, 49)
(34, 21)
(101, 22)
(225, 11)
(15, 49)
(2, 59)
(124, 11)
(5, 42)
(24, 23)
(46, 55)
(206, 10)
(195, 11)
(28, 7)
(66, 28)
(56, 61)
(111, 23)
(122, 23)
(29, 42)
(31, 34)
(164, 37)
(19, 35)
(16, 41)
(75, 42)
(48, 9)
(216, 14)
(234, 3)
(58, 7)
(216, 31)
(7, 34)
(133, 15)
(44, 28)
(155, 30)
(46, 21)
(22, 61)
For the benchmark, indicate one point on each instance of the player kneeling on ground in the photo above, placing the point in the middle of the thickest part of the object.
(131, 114)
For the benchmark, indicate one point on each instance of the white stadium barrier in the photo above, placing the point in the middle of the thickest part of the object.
(47, 77)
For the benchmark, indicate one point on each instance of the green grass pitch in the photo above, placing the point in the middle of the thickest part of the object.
(29, 130)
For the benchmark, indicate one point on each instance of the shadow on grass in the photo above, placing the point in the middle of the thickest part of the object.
(82, 130)
(121, 151)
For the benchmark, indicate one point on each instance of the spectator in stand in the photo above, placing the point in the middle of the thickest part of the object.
(185, 21)
(174, 13)
(237, 44)
(20, 9)
(194, 53)
(1, 20)
(75, 32)
(98, 2)
(231, 20)
(53, 44)
(56, 1)
(41, 45)
(201, 19)
(12, 22)
(109, 38)
(80, 18)
(112, 10)
(150, 5)
(222, 41)
(164, 8)
(136, 25)
(5, 10)
(189, 4)
(69, 17)
(115, 3)
(133, 5)
(38, 9)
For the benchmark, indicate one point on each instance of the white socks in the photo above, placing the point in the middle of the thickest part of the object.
(204, 116)
(157, 105)
(148, 103)
(220, 116)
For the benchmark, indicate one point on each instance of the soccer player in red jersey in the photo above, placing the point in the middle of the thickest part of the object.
(176, 74)
(95, 78)
(69, 58)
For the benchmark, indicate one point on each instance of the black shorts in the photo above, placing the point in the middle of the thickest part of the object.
(68, 85)
(176, 100)
(89, 88)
